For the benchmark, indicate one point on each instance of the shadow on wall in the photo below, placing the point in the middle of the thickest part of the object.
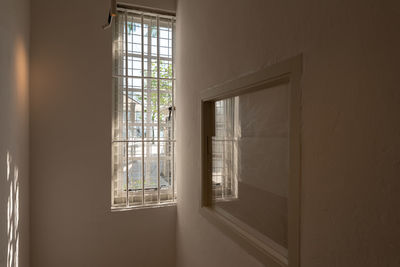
(12, 213)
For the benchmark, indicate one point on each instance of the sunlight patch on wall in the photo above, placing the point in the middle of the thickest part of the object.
(12, 213)
(21, 68)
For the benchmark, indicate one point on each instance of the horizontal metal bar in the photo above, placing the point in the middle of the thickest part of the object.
(138, 55)
(140, 77)
(139, 90)
(149, 124)
(139, 141)
(148, 157)
(225, 140)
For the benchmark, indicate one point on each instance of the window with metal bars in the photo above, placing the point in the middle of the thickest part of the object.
(143, 126)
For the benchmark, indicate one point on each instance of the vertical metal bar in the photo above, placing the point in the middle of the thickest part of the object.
(232, 147)
(148, 88)
(142, 29)
(158, 108)
(223, 102)
(126, 109)
(173, 112)
(114, 31)
(236, 159)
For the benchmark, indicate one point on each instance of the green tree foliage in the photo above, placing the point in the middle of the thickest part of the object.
(165, 89)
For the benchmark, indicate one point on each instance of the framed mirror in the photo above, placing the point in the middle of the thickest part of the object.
(251, 161)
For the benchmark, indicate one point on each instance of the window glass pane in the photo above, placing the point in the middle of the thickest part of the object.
(151, 109)
(153, 68)
(135, 173)
(166, 170)
(135, 114)
(135, 37)
(118, 110)
(151, 172)
(166, 113)
(134, 66)
(165, 69)
(119, 174)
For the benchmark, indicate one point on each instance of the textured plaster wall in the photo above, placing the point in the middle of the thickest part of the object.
(351, 123)
(14, 122)
(71, 222)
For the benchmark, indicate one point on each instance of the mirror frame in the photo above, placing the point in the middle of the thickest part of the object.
(286, 72)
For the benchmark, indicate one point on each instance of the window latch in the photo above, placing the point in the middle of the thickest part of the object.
(170, 111)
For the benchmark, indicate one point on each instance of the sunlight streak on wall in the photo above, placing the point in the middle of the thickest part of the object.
(12, 214)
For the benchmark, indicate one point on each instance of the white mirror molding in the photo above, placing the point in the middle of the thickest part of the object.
(251, 161)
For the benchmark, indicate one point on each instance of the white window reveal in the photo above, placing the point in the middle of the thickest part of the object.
(143, 126)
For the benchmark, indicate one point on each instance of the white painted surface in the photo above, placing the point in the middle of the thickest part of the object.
(351, 133)
(351, 122)
(70, 135)
(14, 125)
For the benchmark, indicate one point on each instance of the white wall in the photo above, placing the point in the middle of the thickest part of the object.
(351, 122)
(71, 222)
(14, 122)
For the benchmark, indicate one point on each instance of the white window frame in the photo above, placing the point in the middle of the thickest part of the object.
(148, 196)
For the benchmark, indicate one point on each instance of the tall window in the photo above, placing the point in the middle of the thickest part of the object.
(143, 136)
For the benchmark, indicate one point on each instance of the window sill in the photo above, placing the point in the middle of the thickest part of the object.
(149, 206)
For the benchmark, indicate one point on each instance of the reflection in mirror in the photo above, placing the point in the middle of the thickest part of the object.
(250, 163)
(224, 148)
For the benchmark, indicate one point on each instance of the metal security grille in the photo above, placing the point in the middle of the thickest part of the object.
(143, 137)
